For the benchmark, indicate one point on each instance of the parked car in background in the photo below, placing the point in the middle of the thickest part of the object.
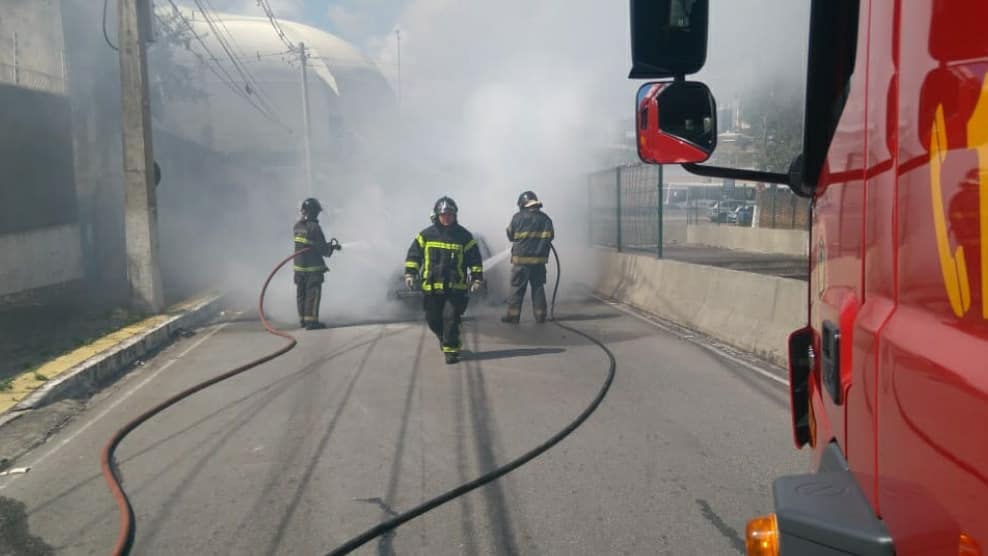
(743, 215)
(722, 211)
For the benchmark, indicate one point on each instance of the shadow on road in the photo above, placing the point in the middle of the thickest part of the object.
(508, 353)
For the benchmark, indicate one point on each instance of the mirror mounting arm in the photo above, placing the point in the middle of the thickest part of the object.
(738, 174)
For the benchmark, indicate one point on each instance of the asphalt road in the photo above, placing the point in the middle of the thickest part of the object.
(360, 422)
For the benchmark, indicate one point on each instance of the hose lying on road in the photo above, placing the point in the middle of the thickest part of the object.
(125, 536)
(393, 523)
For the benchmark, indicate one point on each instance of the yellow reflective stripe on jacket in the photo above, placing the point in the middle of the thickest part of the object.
(309, 268)
(428, 260)
(420, 240)
(476, 269)
(454, 247)
(300, 239)
(525, 235)
(443, 245)
(469, 244)
(411, 264)
(438, 286)
(529, 260)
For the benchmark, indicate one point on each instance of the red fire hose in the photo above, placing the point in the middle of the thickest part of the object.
(125, 536)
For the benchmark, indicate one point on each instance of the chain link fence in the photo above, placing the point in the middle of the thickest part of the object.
(624, 207)
(637, 208)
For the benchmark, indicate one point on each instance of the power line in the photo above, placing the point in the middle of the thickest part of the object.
(225, 80)
(229, 81)
(106, 36)
(274, 23)
(188, 24)
(231, 48)
(249, 80)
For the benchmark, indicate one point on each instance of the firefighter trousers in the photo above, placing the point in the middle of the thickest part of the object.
(308, 294)
(444, 312)
(521, 276)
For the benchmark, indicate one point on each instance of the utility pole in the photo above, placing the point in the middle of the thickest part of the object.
(304, 58)
(401, 128)
(17, 71)
(65, 71)
(398, 35)
(659, 253)
(140, 204)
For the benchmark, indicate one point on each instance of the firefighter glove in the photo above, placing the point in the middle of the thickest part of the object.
(409, 281)
(475, 286)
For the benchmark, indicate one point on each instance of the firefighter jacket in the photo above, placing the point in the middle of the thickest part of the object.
(443, 255)
(309, 234)
(531, 233)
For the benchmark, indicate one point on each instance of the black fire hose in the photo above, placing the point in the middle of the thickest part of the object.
(126, 534)
(555, 289)
(393, 523)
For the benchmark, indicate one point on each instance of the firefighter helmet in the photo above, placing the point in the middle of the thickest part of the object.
(528, 199)
(444, 205)
(311, 206)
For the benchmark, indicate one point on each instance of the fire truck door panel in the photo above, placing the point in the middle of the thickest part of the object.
(879, 247)
(933, 373)
(835, 252)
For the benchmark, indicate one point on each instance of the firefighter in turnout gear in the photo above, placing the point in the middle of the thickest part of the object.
(531, 234)
(309, 266)
(442, 255)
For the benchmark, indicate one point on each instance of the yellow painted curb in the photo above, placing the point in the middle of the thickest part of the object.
(191, 302)
(29, 381)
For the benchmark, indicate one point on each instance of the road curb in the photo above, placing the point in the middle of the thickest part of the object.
(111, 363)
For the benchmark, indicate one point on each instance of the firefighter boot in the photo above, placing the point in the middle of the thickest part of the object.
(513, 316)
(315, 325)
(452, 357)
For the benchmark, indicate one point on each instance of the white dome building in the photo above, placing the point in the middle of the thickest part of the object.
(228, 167)
(350, 102)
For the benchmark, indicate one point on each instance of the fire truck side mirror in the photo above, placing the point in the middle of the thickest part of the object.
(675, 122)
(668, 38)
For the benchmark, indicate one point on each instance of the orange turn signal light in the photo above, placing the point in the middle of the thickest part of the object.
(761, 536)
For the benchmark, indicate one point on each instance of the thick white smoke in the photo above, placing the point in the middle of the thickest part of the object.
(496, 98)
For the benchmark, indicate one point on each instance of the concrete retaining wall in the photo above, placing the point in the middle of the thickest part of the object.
(39, 258)
(758, 240)
(753, 312)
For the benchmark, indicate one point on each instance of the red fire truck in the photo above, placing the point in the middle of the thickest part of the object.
(889, 378)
